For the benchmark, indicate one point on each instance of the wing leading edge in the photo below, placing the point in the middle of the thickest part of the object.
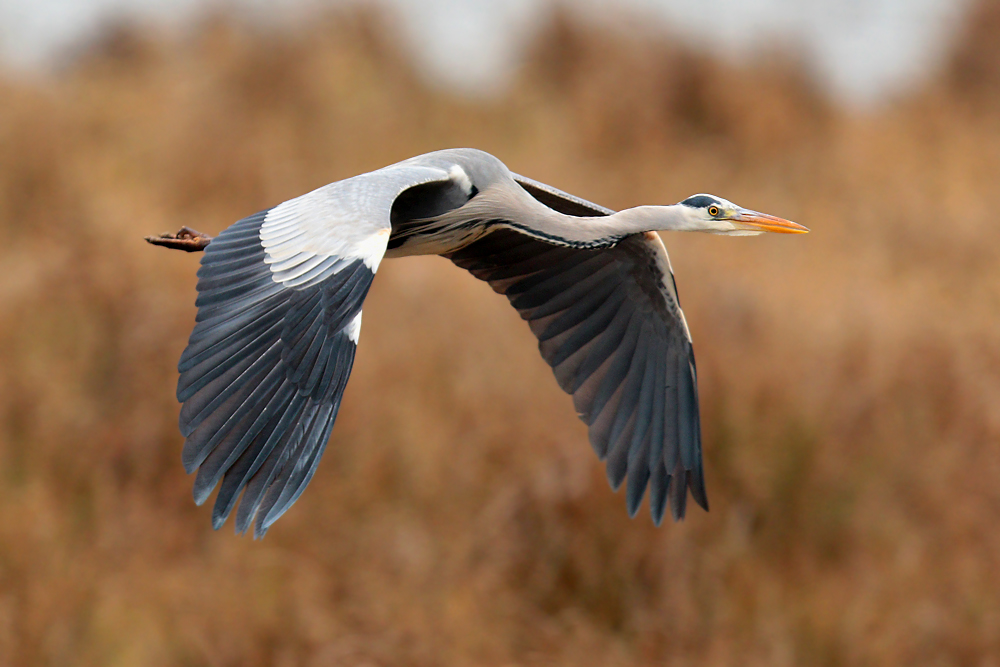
(609, 324)
(279, 315)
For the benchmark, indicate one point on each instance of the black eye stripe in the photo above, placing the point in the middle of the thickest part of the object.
(700, 201)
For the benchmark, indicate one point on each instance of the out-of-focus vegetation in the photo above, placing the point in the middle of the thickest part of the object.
(849, 378)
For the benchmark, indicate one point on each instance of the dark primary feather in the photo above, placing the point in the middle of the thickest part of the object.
(612, 333)
(263, 376)
(673, 417)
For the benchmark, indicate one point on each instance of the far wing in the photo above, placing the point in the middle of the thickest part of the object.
(559, 200)
(609, 323)
(279, 314)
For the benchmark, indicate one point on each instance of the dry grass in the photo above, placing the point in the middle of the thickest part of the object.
(849, 378)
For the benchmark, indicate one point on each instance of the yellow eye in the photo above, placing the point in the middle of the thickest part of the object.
(713, 211)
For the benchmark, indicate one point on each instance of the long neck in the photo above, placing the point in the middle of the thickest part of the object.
(673, 218)
(601, 231)
(513, 207)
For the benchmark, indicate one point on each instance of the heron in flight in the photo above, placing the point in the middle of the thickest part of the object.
(280, 298)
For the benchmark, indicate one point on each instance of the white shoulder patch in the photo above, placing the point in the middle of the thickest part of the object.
(461, 178)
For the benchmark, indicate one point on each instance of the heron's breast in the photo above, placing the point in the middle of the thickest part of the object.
(432, 237)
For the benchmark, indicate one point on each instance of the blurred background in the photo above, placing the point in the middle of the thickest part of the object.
(849, 378)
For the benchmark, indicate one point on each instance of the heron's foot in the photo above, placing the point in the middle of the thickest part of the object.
(186, 239)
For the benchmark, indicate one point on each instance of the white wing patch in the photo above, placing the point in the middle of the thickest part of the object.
(353, 328)
(306, 241)
(461, 179)
(312, 237)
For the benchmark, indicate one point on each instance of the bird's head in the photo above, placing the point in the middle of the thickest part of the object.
(708, 213)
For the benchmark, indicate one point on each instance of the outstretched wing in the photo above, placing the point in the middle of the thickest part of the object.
(279, 314)
(610, 325)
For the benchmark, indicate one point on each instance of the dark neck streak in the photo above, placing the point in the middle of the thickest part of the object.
(592, 244)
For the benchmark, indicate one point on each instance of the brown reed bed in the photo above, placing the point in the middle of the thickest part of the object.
(849, 378)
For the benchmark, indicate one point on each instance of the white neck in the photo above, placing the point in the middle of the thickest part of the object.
(673, 218)
(515, 207)
(607, 230)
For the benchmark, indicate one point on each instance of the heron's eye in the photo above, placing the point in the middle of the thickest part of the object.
(713, 211)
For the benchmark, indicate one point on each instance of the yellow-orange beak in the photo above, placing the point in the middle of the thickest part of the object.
(762, 222)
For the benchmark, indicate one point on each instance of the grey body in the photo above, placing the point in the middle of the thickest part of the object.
(279, 317)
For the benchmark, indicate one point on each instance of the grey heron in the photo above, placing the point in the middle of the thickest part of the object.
(280, 297)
